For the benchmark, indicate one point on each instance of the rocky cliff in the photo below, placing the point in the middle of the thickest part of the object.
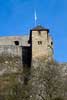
(44, 80)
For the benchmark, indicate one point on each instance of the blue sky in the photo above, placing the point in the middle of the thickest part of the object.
(17, 17)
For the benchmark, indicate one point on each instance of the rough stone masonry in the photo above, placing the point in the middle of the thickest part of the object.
(37, 44)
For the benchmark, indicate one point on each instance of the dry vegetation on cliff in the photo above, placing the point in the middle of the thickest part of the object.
(43, 81)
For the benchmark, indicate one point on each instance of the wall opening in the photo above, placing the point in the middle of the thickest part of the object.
(51, 43)
(39, 32)
(39, 42)
(16, 42)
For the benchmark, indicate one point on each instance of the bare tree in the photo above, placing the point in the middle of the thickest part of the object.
(47, 82)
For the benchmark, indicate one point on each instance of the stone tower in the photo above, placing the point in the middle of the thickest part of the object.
(41, 42)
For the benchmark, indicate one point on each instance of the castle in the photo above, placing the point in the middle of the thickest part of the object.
(37, 44)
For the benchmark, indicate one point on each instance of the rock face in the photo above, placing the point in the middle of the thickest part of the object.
(44, 80)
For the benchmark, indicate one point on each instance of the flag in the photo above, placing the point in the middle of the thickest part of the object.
(35, 16)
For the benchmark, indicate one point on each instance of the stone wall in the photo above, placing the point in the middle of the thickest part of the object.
(10, 40)
(10, 50)
(39, 44)
(50, 46)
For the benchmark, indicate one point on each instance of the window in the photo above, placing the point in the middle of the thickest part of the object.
(39, 32)
(16, 42)
(51, 43)
(39, 42)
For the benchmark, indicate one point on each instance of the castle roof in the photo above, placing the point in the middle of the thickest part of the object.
(40, 28)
